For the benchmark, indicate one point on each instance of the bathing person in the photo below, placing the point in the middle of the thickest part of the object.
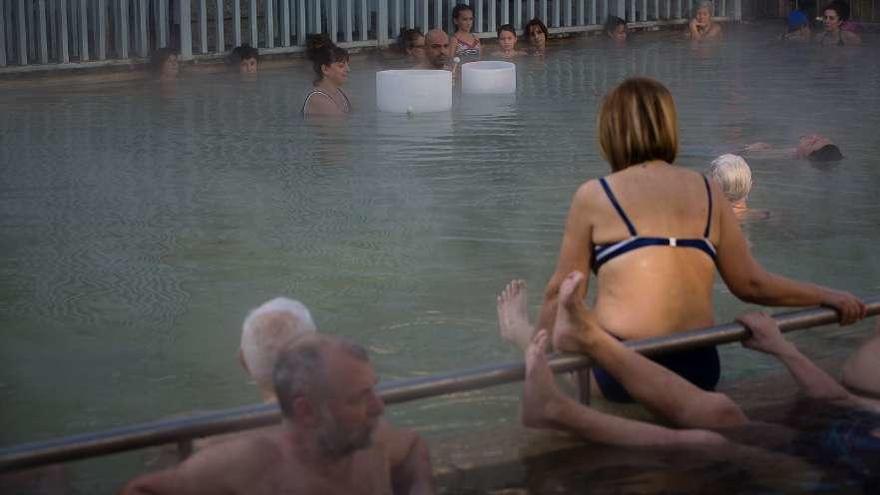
(733, 174)
(330, 64)
(243, 59)
(412, 42)
(835, 16)
(537, 34)
(812, 147)
(691, 411)
(463, 44)
(163, 64)
(615, 29)
(701, 27)
(507, 43)
(327, 442)
(860, 371)
(797, 27)
(436, 50)
(655, 234)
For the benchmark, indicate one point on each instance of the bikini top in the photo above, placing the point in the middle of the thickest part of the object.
(602, 253)
(344, 106)
(468, 50)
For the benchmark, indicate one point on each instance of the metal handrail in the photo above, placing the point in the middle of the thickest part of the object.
(252, 416)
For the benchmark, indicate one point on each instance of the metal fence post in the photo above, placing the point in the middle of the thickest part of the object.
(2, 35)
(185, 30)
(285, 23)
(101, 30)
(84, 31)
(252, 17)
(220, 20)
(382, 23)
(270, 24)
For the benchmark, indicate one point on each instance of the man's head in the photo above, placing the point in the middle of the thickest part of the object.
(437, 48)
(267, 331)
(244, 59)
(326, 386)
(818, 148)
(734, 175)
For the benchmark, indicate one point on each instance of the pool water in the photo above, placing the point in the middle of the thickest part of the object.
(140, 225)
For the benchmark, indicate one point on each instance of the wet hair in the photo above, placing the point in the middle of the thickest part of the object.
(842, 9)
(706, 4)
(322, 51)
(159, 57)
(267, 330)
(243, 52)
(827, 153)
(638, 123)
(408, 37)
(527, 29)
(734, 176)
(301, 369)
(458, 9)
(612, 23)
(506, 27)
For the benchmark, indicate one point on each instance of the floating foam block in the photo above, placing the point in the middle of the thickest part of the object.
(414, 91)
(488, 78)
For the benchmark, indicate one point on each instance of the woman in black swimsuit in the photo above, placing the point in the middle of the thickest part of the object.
(835, 15)
(330, 63)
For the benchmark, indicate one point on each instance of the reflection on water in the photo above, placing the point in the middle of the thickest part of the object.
(139, 226)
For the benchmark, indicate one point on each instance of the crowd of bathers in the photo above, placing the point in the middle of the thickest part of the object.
(438, 50)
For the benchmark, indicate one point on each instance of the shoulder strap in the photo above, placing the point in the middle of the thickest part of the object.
(709, 216)
(629, 225)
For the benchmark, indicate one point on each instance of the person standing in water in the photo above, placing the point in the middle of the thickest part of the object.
(507, 43)
(835, 15)
(413, 43)
(463, 44)
(701, 27)
(733, 174)
(655, 234)
(615, 29)
(164, 64)
(330, 64)
(536, 32)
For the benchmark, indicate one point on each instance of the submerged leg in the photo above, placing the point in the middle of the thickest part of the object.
(544, 406)
(657, 388)
(513, 314)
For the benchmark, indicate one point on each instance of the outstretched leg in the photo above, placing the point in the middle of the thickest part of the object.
(513, 314)
(544, 406)
(657, 388)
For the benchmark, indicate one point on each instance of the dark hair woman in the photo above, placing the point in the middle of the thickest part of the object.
(330, 64)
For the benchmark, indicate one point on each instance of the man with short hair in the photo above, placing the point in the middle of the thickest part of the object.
(436, 50)
(332, 438)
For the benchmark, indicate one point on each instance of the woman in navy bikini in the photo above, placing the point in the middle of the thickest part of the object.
(330, 63)
(463, 44)
(654, 234)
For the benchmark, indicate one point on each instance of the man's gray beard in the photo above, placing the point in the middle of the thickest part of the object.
(336, 442)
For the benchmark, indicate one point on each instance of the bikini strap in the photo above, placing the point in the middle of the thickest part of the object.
(629, 225)
(709, 217)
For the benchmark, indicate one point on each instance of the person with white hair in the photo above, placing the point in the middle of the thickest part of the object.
(734, 176)
(267, 330)
(701, 27)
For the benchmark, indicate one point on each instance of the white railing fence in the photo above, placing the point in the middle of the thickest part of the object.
(45, 32)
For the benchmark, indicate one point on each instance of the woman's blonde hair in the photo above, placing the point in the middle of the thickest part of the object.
(638, 123)
(734, 176)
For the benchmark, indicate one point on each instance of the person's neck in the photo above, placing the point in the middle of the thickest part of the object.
(302, 446)
(327, 85)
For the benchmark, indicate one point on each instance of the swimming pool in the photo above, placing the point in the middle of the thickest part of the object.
(139, 226)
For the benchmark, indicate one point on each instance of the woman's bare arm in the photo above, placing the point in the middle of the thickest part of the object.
(574, 254)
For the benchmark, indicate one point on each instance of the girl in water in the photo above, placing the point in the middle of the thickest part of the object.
(835, 16)
(701, 27)
(507, 43)
(654, 234)
(330, 64)
(536, 33)
(463, 44)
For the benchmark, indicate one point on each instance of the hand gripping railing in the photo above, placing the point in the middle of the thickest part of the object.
(183, 430)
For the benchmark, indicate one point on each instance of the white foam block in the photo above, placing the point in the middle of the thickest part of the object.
(488, 78)
(414, 91)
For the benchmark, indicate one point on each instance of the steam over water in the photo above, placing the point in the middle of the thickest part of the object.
(138, 227)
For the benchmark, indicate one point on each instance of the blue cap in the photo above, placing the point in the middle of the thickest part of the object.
(797, 19)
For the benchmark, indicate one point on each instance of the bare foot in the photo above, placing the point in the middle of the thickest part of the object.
(540, 395)
(513, 314)
(575, 324)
